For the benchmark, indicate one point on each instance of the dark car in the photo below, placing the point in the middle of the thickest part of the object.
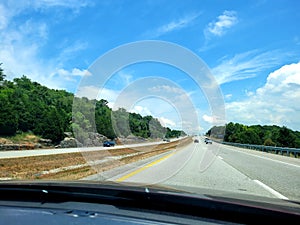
(207, 141)
(166, 139)
(196, 141)
(109, 144)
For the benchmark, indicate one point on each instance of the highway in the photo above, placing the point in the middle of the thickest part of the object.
(218, 167)
(54, 151)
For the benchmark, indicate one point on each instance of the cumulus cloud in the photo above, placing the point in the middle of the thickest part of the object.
(276, 102)
(144, 111)
(222, 24)
(93, 92)
(68, 74)
(166, 122)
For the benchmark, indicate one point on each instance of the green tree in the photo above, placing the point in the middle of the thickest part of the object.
(51, 127)
(269, 142)
(2, 75)
(8, 116)
(286, 138)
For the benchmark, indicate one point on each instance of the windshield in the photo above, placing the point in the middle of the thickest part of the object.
(192, 96)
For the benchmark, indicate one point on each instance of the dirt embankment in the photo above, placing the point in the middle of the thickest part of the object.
(74, 166)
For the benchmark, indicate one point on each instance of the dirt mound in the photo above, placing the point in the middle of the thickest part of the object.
(5, 141)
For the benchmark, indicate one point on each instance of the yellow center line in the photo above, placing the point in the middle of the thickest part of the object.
(144, 167)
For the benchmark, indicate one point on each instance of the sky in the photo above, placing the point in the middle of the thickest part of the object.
(251, 49)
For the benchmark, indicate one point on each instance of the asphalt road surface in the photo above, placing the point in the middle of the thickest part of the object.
(39, 152)
(218, 167)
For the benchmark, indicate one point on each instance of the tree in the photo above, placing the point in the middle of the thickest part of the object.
(80, 126)
(2, 75)
(8, 115)
(103, 119)
(51, 126)
(269, 142)
(26, 105)
(286, 138)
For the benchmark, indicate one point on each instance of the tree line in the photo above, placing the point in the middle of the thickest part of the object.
(269, 135)
(26, 106)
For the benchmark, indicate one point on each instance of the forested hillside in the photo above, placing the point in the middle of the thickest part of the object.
(257, 134)
(26, 105)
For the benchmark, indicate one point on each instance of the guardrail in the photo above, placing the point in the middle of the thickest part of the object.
(263, 148)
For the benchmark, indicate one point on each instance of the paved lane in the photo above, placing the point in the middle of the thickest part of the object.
(232, 170)
(281, 173)
(54, 151)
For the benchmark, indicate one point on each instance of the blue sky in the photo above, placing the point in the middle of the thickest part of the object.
(251, 47)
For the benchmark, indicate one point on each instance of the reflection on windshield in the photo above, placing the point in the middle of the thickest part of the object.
(197, 98)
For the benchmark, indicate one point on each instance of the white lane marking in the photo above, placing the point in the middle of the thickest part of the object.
(271, 190)
(220, 157)
(262, 157)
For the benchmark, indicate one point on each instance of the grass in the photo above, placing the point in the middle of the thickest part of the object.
(23, 138)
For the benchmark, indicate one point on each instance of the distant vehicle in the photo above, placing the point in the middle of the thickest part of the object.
(196, 141)
(207, 141)
(109, 144)
(167, 140)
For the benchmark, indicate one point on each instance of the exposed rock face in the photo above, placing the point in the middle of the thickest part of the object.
(131, 139)
(68, 134)
(45, 142)
(95, 139)
(69, 142)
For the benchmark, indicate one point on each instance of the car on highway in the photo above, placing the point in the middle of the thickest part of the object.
(207, 141)
(109, 143)
(196, 141)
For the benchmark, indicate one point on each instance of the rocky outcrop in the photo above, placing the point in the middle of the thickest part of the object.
(95, 139)
(45, 142)
(68, 134)
(131, 139)
(69, 142)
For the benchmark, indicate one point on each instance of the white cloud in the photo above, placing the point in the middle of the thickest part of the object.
(246, 65)
(73, 4)
(70, 73)
(223, 23)
(228, 96)
(166, 122)
(4, 17)
(144, 111)
(93, 92)
(215, 120)
(173, 25)
(167, 89)
(277, 102)
(22, 44)
(208, 119)
(125, 77)
(69, 49)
